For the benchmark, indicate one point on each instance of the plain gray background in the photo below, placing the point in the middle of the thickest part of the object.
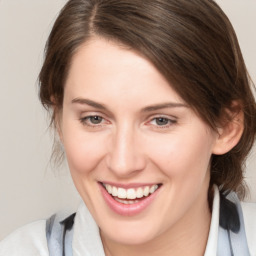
(29, 187)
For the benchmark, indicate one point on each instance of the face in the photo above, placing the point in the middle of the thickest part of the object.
(138, 155)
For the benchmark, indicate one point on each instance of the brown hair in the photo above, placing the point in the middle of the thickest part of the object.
(191, 42)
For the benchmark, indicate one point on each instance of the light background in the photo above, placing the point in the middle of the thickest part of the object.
(29, 189)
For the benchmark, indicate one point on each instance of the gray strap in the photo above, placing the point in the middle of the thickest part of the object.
(59, 235)
(231, 238)
(54, 235)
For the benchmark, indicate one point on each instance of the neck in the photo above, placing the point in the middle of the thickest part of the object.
(187, 237)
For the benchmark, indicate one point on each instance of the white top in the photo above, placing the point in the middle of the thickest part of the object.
(249, 212)
(30, 240)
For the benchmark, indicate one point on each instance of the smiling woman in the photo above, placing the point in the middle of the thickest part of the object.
(133, 148)
(153, 107)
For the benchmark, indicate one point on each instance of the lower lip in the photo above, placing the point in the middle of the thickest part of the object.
(127, 209)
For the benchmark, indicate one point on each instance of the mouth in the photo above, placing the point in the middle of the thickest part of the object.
(129, 201)
(130, 195)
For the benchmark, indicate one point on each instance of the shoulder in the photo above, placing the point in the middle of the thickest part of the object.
(249, 213)
(29, 240)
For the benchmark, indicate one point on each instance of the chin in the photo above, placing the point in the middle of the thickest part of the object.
(130, 233)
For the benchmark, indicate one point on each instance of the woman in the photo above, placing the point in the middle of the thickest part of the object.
(152, 105)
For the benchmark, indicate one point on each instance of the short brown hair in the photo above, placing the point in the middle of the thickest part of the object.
(191, 42)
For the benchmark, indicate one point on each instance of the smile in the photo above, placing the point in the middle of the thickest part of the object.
(131, 193)
(129, 201)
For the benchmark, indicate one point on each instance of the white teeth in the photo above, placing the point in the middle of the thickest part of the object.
(109, 189)
(130, 193)
(114, 191)
(153, 189)
(146, 191)
(121, 193)
(126, 202)
(139, 193)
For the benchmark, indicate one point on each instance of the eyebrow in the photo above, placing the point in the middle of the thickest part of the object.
(90, 103)
(145, 109)
(164, 105)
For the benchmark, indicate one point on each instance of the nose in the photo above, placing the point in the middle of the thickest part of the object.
(125, 157)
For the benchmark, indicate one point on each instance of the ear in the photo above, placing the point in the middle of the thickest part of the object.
(231, 130)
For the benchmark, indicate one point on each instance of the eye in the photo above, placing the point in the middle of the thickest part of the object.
(93, 120)
(162, 122)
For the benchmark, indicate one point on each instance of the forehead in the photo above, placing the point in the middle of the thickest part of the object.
(102, 68)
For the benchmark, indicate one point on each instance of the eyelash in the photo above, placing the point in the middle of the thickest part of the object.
(84, 121)
(170, 122)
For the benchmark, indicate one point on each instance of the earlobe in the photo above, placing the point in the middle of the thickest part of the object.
(230, 133)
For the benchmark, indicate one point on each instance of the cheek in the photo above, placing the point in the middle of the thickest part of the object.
(83, 150)
(183, 155)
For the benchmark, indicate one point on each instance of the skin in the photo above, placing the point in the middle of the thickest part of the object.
(130, 145)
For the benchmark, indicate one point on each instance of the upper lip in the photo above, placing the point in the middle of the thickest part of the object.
(130, 185)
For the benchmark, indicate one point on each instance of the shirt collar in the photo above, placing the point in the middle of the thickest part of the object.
(86, 239)
(212, 243)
